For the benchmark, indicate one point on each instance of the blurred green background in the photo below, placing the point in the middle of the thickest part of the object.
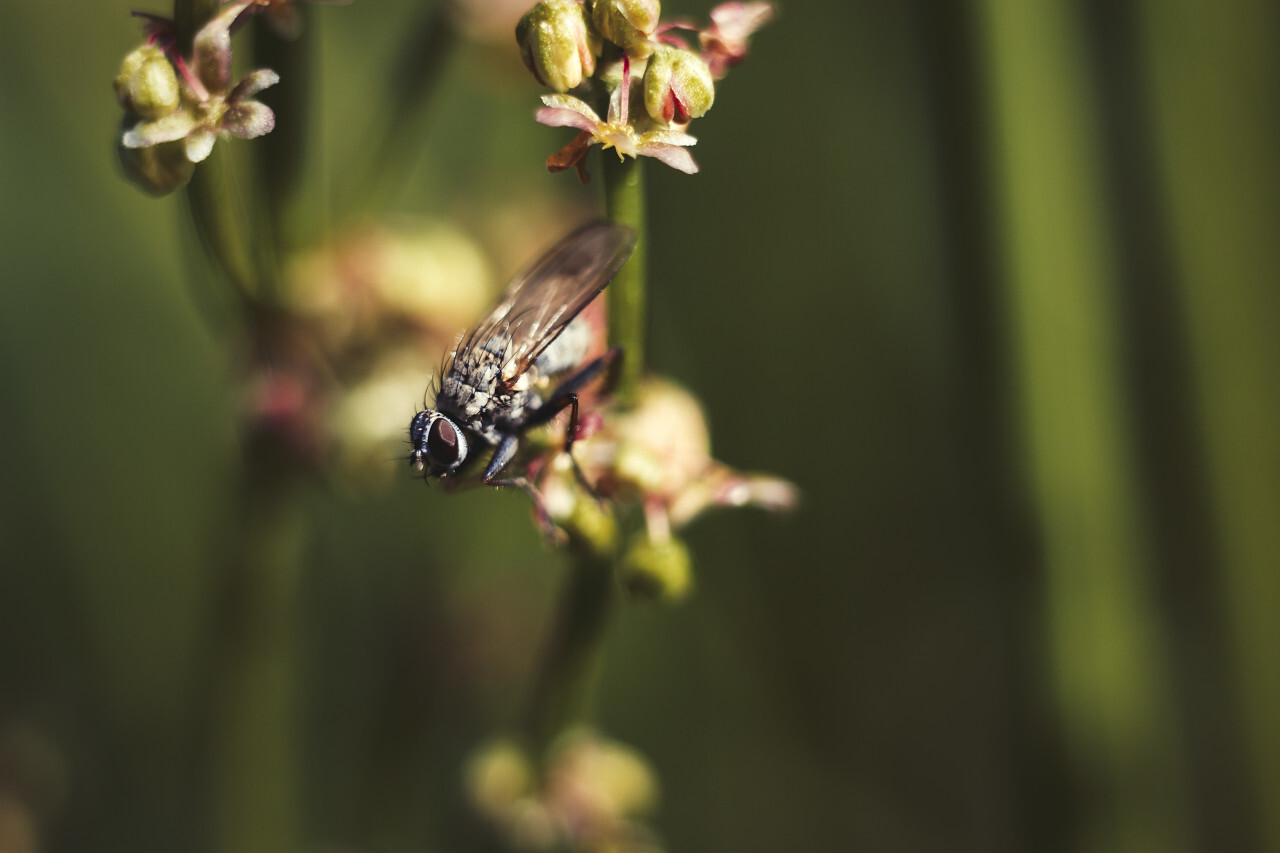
(993, 282)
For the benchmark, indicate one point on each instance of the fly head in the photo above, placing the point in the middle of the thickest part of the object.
(438, 445)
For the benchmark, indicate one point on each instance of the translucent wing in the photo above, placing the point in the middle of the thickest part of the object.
(539, 303)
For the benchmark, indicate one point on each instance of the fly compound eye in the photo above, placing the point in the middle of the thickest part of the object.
(445, 444)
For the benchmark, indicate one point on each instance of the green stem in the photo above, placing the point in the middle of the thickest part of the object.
(571, 659)
(625, 204)
(255, 757)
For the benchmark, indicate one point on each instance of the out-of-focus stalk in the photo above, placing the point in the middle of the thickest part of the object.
(563, 690)
(1108, 675)
(254, 718)
(282, 153)
(412, 87)
(1213, 90)
(255, 760)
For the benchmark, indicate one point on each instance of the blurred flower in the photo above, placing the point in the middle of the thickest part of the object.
(658, 454)
(656, 568)
(725, 41)
(677, 86)
(209, 104)
(557, 44)
(373, 309)
(616, 132)
(587, 799)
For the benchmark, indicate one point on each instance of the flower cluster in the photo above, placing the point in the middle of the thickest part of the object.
(176, 107)
(565, 44)
(657, 454)
(588, 796)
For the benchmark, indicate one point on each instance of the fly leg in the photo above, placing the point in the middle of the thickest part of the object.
(506, 450)
(566, 396)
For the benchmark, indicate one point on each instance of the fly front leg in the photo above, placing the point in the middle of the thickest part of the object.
(501, 458)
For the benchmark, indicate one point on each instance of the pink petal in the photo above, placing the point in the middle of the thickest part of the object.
(566, 117)
(673, 155)
(740, 20)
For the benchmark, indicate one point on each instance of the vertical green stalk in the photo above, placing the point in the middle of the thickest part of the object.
(562, 693)
(254, 763)
(412, 85)
(1109, 675)
(571, 659)
(1216, 154)
(625, 204)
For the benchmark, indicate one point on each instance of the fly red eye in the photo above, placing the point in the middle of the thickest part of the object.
(442, 443)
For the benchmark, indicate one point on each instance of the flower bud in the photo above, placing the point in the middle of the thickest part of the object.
(146, 84)
(557, 44)
(158, 169)
(655, 569)
(627, 23)
(677, 86)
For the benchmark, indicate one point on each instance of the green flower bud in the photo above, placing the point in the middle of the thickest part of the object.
(590, 527)
(627, 23)
(557, 44)
(146, 84)
(656, 570)
(158, 169)
(677, 86)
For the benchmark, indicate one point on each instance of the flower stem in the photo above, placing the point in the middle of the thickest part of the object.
(570, 661)
(625, 204)
(254, 763)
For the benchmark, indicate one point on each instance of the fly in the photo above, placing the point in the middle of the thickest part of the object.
(490, 394)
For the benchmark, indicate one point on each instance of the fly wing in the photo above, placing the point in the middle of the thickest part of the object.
(539, 303)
